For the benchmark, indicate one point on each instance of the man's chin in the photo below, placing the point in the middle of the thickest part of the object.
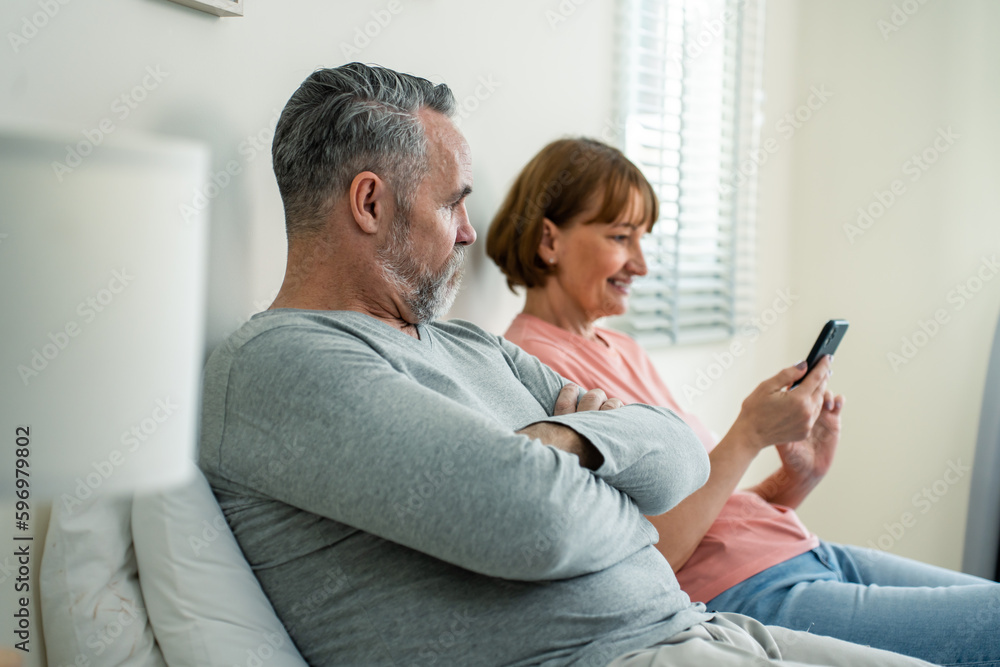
(447, 300)
(449, 290)
(428, 310)
(433, 299)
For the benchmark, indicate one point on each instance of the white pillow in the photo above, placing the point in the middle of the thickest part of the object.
(205, 604)
(92, 609)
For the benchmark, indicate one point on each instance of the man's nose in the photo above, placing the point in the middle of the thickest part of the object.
(466, 232)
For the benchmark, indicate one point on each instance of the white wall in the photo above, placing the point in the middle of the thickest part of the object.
(222, 81)
(225, 79)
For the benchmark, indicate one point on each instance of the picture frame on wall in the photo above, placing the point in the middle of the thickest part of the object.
(217, 7)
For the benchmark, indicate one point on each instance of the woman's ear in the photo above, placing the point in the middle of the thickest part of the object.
(550, 239)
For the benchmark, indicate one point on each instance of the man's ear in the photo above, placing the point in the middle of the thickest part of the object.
(369, 199)
(548, 245)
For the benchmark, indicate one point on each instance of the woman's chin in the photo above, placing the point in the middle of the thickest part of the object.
(613, 308)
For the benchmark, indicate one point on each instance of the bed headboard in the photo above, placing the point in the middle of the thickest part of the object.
(982, 531)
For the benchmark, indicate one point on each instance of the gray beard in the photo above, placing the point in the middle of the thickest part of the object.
(427, 295)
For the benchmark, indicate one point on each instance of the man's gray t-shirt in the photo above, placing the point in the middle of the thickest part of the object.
(378, 489)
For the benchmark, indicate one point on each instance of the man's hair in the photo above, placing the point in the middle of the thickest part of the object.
(346, 120)
(560, 183)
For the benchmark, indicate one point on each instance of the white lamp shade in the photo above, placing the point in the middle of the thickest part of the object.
(102, 276)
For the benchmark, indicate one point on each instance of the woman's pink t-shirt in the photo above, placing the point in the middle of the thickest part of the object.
(750, 534)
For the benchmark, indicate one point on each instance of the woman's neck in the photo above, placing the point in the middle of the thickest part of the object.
(559, 312)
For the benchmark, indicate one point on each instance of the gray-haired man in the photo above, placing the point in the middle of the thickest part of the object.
(449, 497)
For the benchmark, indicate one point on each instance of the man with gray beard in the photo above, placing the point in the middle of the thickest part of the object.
(439, 496)
(428, 295)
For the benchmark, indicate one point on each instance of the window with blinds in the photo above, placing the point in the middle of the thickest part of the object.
(688, 108)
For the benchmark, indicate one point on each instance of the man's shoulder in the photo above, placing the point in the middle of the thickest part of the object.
(463, 328)
(292, 338)
(463, 332)
(289, 327)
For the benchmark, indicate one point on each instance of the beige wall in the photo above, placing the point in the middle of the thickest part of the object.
(906, 424)
(909, 424)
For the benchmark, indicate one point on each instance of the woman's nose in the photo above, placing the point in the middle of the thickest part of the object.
(637, 262)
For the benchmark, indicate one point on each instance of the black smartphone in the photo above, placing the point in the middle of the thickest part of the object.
(829, 338)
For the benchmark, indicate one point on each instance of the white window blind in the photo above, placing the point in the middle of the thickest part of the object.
(688, 85)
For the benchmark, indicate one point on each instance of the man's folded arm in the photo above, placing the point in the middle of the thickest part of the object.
(340, 433)
(648, 453)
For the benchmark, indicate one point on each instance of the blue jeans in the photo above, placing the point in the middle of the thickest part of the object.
(874, 598)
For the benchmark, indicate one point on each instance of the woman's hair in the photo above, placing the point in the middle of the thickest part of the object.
(559, 183)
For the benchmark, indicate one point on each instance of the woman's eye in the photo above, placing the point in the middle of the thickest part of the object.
(620, 238)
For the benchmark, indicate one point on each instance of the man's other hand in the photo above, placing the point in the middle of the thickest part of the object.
(565, 438)
(571, 401)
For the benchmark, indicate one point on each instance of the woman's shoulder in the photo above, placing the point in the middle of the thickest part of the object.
(550, 344)
(539, 344)
(526, 330)
(620, 340)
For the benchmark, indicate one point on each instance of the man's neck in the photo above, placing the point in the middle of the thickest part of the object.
(325, 301)
(317, 279)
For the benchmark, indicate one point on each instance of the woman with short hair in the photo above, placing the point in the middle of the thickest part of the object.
(569, 233)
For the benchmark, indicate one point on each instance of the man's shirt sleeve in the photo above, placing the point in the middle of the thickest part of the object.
(367, 446)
